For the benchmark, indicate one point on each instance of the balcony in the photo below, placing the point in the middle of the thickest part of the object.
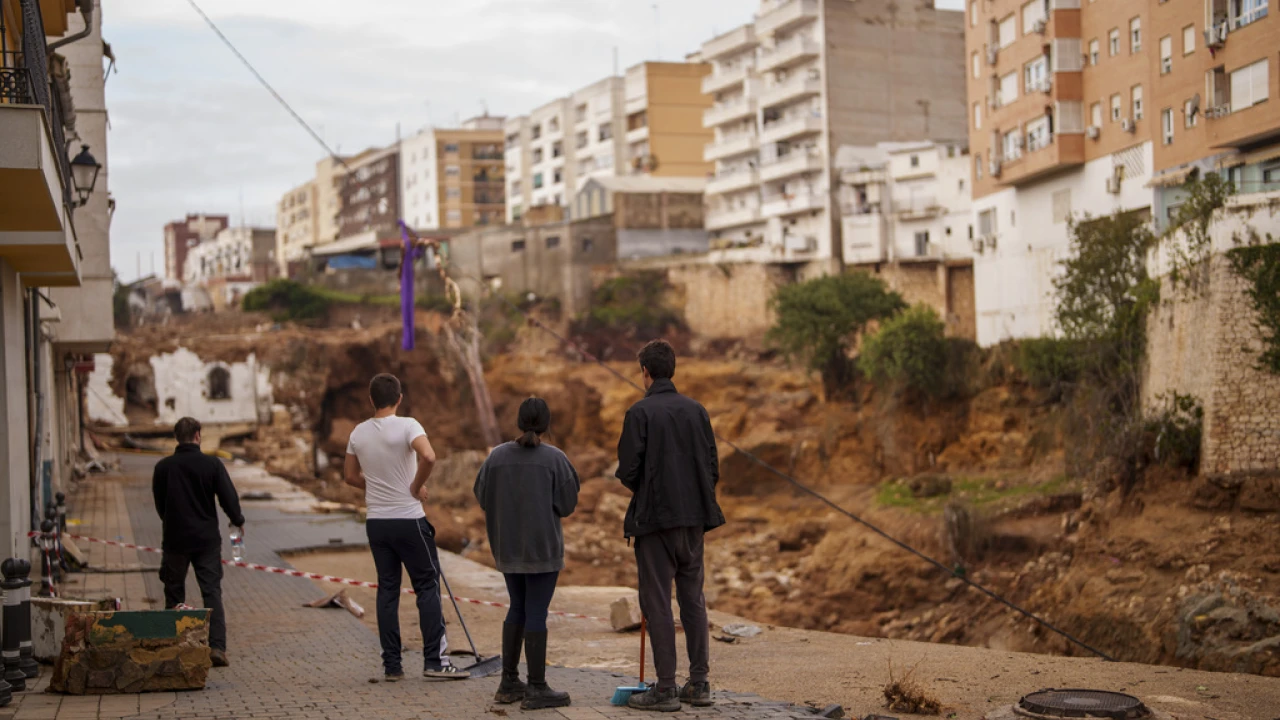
(796, 88)
(784, 205)
(717, 82)
(797, 163)
(729, 147)
(788, 53)
(917, 207)
(731, 181)
(728, 112)
(637, 135)
(788, 128)
(1058, 152)
(725, 219)
(787, 14)
(36, 235)
(734, 41)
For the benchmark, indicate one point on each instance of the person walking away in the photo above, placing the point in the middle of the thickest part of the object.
(390, 458)
(667, 459)
(525, 487)
(186, 486)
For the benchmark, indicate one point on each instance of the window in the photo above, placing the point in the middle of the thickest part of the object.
(553, 242)
(606, 132)
(454, 216)
(1095, 115)
(580, 113)
(517, 246)
(1113, 42)
(915, 161)
(451, 147)
(1093, 51)
(588, 245)
(553, 124)
(977, 65)
(977, 116)
(1271, 172)
(1166, 125)
(454, 193)
(987, 222)
(1036, 75)
(537, 180)
(1247, 11)
(1115, 108)
(1038, 136)
(977, 166)
(513, 140)
(1135, 94)
(1135, 36)
(452, 170)
(1007, 31)
(537, 155)
(557, 176)
(1008, 89)
(1033, 16)
(922, 243)
(1249, 85)
(1189, 118)
(973, 13)
(1166, 55)
(219, 383)
(1013, 145)
(583, 139)
(557, 149)
(536, 132)
(1188, 39)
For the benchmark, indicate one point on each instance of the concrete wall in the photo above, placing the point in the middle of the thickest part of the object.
(727, 301)
(182, 390)
(101, 402)
(675, 107)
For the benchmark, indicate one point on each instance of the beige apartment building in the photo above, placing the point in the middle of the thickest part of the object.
(1097, 106)
(454, 178)
(646, 122)
(805, 79)
(296, 225)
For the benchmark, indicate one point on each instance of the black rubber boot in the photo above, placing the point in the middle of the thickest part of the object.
(538, 694)
(511, 690)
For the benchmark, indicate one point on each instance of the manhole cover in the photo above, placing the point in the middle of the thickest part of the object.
(1082, 704)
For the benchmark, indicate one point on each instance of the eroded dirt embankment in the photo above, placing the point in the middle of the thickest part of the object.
(1173, 572)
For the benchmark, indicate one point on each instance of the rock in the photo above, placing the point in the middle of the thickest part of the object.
(740, 630)
(1260, 494)
(927, 486)
(624, 614)
(132, 652)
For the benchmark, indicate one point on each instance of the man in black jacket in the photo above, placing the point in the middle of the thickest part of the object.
(667, 459)
(185, 486)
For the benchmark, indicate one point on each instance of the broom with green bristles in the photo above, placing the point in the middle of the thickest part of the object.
(623, 694)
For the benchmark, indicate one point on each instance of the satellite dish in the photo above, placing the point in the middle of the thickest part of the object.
(1194, 106)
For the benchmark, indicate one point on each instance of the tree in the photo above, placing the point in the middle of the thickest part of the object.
(120, 303)
(817, 320)
(909, 350)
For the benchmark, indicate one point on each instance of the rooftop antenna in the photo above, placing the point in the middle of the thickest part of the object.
(657, 31)
(242, 206)
(484, 108)
(615, 61)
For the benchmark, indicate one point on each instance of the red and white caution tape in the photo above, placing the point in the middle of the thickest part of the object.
(317, 576)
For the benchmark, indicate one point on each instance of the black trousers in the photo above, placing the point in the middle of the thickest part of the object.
(208, 567)
(661, 557)
(530, 595)
(409, 544)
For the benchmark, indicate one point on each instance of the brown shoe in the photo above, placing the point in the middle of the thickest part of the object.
(219, 658)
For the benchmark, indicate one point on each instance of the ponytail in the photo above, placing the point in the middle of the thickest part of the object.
(534, 419)
(529, 440)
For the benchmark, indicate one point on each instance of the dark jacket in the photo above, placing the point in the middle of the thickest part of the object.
(185, 485)
(524, 492)
(667, 459)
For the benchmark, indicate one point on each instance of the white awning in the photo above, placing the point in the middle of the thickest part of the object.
(1169, 178)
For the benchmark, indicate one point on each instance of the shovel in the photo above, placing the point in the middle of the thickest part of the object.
(483, 667)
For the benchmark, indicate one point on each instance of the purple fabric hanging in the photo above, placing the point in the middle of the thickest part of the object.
(406, 289)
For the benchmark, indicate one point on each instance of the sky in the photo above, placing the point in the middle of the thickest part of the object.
(191, 130)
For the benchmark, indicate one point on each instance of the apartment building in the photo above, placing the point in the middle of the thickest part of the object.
(454, 178)
(368, 191)
(330, 175)
(182, 235)
(646, 122)
(1098, 107)
(807, 77)
(296, 225)
(906, 217)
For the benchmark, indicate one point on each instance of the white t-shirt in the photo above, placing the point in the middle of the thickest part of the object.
(384, 447)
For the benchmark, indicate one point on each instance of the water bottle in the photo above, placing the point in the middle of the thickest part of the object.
(237, 544)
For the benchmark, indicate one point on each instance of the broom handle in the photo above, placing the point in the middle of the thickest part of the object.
(642, 629)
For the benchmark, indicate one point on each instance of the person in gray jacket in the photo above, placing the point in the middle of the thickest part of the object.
(525, 487)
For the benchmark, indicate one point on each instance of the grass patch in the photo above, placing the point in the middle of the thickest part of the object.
(974, 491)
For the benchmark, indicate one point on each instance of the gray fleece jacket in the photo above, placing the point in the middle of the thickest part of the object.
(524, 492)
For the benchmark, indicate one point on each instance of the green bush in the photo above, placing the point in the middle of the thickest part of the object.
(1176, 431)
(1048, 363)
(910, 350)
(286, 300)
(817, 321)
(632, 303)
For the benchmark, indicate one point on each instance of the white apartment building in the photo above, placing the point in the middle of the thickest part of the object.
(807, 77)
(236, 254)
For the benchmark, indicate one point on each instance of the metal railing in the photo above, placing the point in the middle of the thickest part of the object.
(24, 80)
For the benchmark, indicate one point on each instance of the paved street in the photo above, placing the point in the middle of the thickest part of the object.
(288, 661)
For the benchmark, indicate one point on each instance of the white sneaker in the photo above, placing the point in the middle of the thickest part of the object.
(448, 672)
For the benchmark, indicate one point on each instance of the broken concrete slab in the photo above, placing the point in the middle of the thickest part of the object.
(133, 652)
(624, 613)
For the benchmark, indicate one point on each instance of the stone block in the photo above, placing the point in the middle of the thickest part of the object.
(133, 652)
(624, 614)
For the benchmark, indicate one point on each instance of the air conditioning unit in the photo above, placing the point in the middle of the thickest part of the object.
(1040, 26)
(992, 55)
(1113, 185)
(1215, 36)
(1093, 132)
(1127, 125)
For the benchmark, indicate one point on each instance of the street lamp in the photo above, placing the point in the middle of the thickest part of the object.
(84, 174)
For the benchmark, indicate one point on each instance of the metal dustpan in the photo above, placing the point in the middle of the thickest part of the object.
(482, 667)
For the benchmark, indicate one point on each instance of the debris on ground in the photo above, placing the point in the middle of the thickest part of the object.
(624, 613)
(726, 639)
(328, 507)
(257, 495)
(741, 630)
(338, 600)
(909, 696)
(836, 712)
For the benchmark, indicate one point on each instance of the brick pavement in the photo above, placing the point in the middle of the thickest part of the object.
(289, 661)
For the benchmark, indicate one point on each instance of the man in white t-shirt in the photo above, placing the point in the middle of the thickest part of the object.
(390, 458)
